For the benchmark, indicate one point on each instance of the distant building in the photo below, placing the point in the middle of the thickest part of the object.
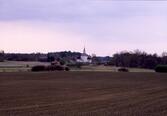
(84, 58)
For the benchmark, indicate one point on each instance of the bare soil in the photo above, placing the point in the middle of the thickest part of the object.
(83, 94)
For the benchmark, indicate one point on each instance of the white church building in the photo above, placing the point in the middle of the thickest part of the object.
(84, 58)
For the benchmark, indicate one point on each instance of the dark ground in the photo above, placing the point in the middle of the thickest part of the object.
(83, 94)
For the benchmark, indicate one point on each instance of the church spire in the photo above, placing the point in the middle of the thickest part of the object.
(84, 51)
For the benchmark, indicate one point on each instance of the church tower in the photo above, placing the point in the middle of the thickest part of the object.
(84, 57)
(84, 51)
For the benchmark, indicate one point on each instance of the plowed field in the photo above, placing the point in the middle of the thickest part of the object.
(83, 94)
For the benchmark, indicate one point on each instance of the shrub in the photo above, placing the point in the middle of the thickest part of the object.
(59, 68)
(49, 68)
(67, 69)
(161, 68)
(38, 68)
(76, 65)
(62, 62)
(54, 68)
(123, 70)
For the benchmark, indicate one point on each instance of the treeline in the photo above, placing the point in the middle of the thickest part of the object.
(66, 55)
(138, 59)
(23, 57)
(2, 56)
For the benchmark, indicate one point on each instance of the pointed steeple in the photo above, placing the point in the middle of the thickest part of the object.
(84, 50)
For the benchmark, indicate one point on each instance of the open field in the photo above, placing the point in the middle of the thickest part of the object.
(18, 66)
(21, 66)
(9, 64)
(103, 68)
(83, 94)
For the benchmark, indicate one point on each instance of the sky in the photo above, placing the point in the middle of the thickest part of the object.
(104, 27)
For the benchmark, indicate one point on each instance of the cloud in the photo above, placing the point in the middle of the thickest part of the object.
(79, 10)
(29, 37)
(104, 26)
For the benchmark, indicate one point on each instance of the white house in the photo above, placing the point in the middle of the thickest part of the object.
(84, 58)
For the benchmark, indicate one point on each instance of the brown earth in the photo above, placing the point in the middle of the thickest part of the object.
(83, 94)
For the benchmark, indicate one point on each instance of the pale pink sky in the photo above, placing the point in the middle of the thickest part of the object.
(104, 27)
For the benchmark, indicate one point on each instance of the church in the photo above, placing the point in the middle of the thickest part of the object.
(84, 58)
